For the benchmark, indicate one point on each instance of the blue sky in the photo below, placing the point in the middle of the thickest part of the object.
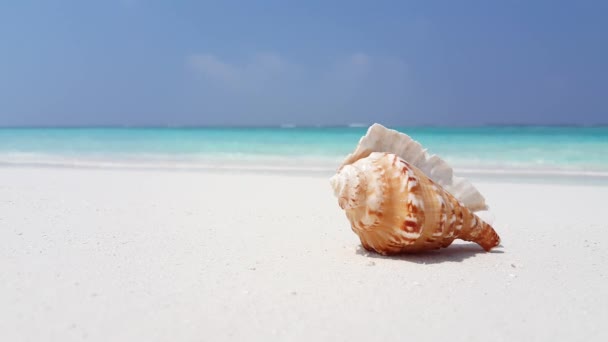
(139, 62)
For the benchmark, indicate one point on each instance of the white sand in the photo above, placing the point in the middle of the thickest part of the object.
(118, 255)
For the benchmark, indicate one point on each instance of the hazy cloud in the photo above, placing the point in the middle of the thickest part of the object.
(258, 68)
(359, 58)
(214, 68)
(353, 85)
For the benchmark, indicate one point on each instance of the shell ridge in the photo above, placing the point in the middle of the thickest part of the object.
(382, 139)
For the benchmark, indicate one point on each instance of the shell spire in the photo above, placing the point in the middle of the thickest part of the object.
(394, 206)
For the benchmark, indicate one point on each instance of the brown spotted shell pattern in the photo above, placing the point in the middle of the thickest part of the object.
(395, 208)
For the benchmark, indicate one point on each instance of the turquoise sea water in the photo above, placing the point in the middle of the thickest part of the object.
(569, 149)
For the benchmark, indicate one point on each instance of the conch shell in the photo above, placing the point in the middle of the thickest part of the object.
(399, 199)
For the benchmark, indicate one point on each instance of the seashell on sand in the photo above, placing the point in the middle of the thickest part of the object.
(399, 199)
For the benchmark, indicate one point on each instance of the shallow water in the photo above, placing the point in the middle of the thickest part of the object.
(524, 150)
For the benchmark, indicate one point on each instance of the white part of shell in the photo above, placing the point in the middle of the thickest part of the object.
(382, 139)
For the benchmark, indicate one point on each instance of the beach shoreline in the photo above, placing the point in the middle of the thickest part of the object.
(117, 254)
(326, 169)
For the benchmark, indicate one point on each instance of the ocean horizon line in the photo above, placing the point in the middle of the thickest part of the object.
(297, 126)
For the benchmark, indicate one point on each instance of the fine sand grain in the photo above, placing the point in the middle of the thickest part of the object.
(119, 255)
